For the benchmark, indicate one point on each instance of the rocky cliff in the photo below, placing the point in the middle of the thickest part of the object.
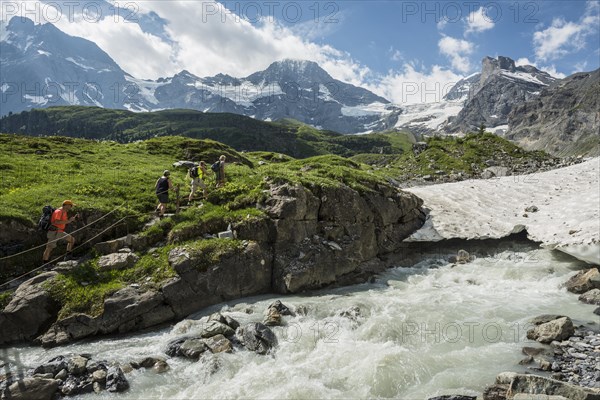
(311, 238)
(563, 120)
(501, 86)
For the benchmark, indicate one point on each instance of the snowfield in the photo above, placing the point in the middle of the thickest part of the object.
(567, 219)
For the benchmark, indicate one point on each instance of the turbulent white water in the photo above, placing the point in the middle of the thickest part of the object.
(422, 331)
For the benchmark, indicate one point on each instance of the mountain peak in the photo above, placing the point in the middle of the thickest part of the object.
(20, 24)
(295, 70)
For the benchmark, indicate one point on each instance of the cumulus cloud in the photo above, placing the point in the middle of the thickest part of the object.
(416, 85)
(549, 69)
(564, 37)
(457, 51)
(478, 21)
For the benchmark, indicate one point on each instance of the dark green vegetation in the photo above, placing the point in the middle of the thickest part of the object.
(242, 133)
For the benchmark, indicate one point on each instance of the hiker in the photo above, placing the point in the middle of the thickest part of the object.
(163, 185)
(220, 171)
(59, 220)
(198, 175)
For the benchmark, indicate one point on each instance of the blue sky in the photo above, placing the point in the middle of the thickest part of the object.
(380, 45)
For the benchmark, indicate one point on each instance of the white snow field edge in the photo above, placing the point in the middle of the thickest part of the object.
(568, 216)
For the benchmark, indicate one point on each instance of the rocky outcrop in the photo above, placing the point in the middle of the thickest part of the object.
(502, 85)
(30, 311)
(309, 239)
(320, 237)
(563, 120)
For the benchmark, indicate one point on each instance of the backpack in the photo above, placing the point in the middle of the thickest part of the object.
(215, 167)
(194, 172)
(44, 224)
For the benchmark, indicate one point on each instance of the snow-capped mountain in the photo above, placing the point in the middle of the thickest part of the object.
(42, 67)
(500, 86)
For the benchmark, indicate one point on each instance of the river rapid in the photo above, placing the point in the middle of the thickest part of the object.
(412, 333)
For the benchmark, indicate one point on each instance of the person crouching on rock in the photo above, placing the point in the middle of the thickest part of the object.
(59, 220)
(163, 185)
(198, 175)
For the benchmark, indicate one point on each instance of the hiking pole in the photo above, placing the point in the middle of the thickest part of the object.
(177, 203)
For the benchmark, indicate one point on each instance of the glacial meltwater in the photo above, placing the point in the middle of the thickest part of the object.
(413, 333)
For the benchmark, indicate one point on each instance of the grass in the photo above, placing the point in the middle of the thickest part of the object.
(5, 298)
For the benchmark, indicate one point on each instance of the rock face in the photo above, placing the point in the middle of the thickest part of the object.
(501, 86)
(320, 237)
(30, 311)
(31, 389)
(563, 120)
(556, 329)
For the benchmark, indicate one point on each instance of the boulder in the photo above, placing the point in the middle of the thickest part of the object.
(54, 366)
(583, 281)
(29, 312)
(591, 297)
(558, 329)
(31, 389)
(77, 365)
(115, 380)
(117, 261)
(218, 344)
(533, 384)
(257, 337)
(217, 328)
(192, 348)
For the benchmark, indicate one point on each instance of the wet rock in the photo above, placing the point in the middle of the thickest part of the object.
(232, 323)
(115, 380)
(583, 281)
(257, 337)
(558, 329)
(542, 319)
(535, 351)
(77, 365)
(93, 366)
(31, 389)
(193, 348)
(282, 308)
(533, 384)
(495, 392)
(99, 376)
(160, 367)
(352, 313)
(147, 362)
(532, 209)
(453, 397)
(273, 317)
(70, 387)
(214, 328)
(219, 344)
(526, 360)
(61, 375)
(591, 297)
(54, 366)
(174, 346)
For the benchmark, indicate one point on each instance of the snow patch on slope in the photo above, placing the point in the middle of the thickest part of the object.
(568, 216)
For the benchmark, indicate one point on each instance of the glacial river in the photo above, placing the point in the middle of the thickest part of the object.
(431, 329)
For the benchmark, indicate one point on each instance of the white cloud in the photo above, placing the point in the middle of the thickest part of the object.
(580, 67)
(563, 37)
(395, 54)
(458, 51)
(412, 85)
(549, 69)
(478, 21)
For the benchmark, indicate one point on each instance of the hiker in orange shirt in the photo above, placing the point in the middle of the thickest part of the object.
(60, 219)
